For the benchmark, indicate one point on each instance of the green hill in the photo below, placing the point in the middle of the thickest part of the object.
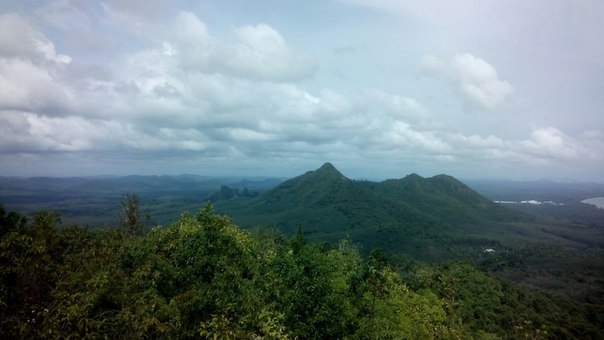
(445, 198)
(426, 218)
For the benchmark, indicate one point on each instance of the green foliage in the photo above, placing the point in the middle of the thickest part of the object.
(133, 220)
(204, 277)
(486, 306)
(10, 221)
(28, 263)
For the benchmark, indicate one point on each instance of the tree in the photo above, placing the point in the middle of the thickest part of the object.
(10, 221)
(29, 259)
(133, 220)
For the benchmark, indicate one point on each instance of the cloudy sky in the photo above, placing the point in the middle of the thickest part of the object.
(471, 88)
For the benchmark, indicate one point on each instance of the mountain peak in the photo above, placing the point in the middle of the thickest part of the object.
(312, 189)
(328, 169)
(327, 166)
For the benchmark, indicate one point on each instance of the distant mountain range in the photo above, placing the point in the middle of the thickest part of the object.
(95, 201)
(422, 218)
(430, 218)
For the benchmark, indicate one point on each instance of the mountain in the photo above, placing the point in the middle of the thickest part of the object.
(95, 201)
(444, 197)
(413, 214)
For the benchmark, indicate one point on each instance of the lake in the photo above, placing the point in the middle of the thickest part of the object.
(597, 201)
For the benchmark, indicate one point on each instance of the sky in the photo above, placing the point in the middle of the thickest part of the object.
(381, 89)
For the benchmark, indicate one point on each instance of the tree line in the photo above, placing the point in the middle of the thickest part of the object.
(204, 277)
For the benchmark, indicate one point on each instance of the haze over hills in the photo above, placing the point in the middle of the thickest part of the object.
(95, 201)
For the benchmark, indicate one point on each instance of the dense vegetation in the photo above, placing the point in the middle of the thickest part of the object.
(203, 277)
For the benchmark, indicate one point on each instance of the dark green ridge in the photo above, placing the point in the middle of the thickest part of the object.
(409, 215)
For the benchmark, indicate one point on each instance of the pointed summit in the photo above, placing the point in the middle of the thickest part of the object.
(325, 175)
(328, 168)
(308, 189)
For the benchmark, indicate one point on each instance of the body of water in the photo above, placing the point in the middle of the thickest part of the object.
(597, 201)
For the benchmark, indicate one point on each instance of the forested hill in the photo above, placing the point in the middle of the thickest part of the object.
(413, 215)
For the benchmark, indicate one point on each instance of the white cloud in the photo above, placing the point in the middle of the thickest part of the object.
(545, 146)
(549, 142)
(25, 86)
(30, 69)
(191, 91)
(172, 88)
(475, 79)
(263, 54)
(190, 40)
(29, 132)
(402, 135)
(479, 81)
(399, 106)
(248, 135)
(20, 39)
(260, 53)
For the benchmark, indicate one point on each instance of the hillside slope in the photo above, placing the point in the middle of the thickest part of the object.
(412, 215)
